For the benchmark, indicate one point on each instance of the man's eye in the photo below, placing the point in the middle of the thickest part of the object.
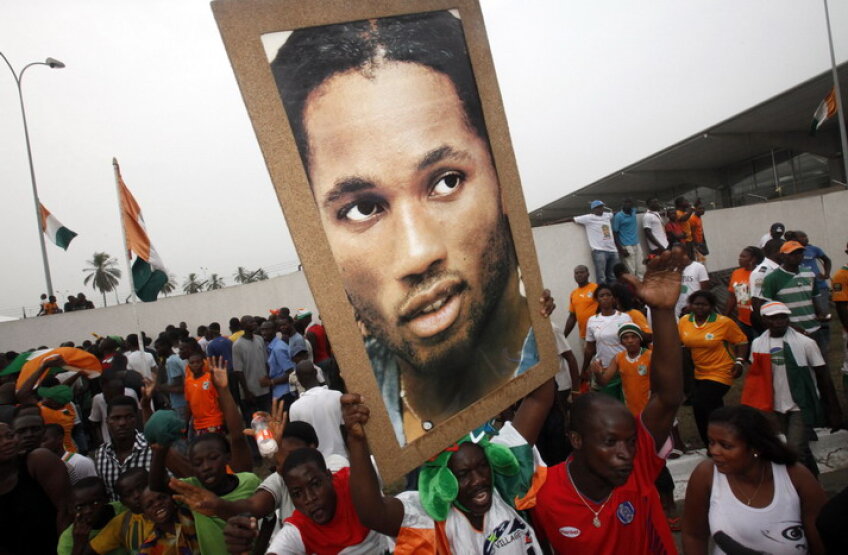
(360, 211)
(447, 184)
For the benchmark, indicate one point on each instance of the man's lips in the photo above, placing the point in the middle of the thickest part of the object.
(433, 310)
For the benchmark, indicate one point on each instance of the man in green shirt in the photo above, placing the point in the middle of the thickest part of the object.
(795, 286)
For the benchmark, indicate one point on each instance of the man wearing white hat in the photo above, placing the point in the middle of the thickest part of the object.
(789, 377)
(602, 241)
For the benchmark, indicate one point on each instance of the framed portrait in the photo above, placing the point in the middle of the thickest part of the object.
(383, 130)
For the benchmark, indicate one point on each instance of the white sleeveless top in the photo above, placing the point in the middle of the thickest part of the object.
(776, 528)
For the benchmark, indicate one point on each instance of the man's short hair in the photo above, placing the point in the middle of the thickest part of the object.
(312, 55)
(121, 401)
(301, 430)
(26, 410)
(586, 407)
(89, 482)
(304, 455)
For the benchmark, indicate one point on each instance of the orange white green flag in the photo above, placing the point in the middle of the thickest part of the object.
(60, 235)
(148, 270)
(825, 111)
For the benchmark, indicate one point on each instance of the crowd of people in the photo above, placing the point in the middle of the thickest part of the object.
(49, 304)
(162, 452)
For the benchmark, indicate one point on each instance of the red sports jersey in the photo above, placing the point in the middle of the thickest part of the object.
(632, 521)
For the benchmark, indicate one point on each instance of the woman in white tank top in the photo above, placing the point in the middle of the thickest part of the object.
(750, 496)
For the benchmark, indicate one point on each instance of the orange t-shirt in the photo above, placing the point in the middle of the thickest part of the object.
(640, 320)
(740, 287)
(697, 227)
(635, 380)
(685, 226)
(840, 285)
(583, 304)
(710, 346)
(64, 417)
(202, 398)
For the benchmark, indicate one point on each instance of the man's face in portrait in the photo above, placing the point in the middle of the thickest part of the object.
(410, 201)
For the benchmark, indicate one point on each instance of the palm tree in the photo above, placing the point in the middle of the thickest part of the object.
(243, 275)
(103, 273)
(215, 282)
(170, 285)
(192, 284)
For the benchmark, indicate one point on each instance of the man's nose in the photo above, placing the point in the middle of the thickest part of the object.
(419, 237)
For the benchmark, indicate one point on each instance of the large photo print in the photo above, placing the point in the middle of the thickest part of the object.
(390, 129)
(398, 182)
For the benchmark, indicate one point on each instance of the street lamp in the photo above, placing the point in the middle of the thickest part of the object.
(52, 63)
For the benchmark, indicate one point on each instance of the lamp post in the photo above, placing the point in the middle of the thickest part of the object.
(52, 63)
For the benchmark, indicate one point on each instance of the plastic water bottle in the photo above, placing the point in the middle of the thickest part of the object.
(264, 439)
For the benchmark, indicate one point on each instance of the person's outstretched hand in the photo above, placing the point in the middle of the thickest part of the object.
(355, 415)
(218, 368)
(660, 288)
(546, 303)
(198, 499)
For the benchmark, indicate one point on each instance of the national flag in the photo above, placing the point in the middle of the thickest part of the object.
(76, 360)
(825, 111)
(149, 273)
(54, 230)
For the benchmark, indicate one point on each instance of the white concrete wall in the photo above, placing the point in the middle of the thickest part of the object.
(560, 248)
(201, 308)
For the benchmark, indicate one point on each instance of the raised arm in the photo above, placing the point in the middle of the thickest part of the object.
(377, 512)
(241, 459)
(25, 394)
(660, 289)
(534, 409)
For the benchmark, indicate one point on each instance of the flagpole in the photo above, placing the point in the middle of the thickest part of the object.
(839, 114)
(127, 253)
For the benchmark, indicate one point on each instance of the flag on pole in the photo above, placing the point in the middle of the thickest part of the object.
(54, 230)
(825, 111)
(148, 271)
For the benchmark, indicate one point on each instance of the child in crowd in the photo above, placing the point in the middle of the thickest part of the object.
(201, 396)
(129, 528)
(173, 526)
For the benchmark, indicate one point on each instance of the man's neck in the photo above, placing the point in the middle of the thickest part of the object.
(247, 335)
(123, 447)
(792, 269)
(586, 482)
(581, 285)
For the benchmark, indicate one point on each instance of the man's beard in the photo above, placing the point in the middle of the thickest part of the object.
(497, 264)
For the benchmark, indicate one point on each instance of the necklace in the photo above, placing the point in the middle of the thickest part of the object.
(426, 425)
(753, 495)
(595, 521)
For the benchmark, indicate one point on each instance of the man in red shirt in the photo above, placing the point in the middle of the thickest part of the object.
(602, 499)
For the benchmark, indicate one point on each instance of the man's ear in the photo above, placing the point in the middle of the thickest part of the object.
(576, 440)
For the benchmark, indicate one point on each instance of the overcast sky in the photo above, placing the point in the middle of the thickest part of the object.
(588, 87)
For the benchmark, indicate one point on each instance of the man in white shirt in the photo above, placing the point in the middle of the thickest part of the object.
(140, 360)
(111, 388)
(321, 407)
(652, 223)
(78, 466)
(775, 232)
(770, 263)
(694, 278)
(602, 241)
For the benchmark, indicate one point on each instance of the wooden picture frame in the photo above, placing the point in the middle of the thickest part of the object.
(317, 224)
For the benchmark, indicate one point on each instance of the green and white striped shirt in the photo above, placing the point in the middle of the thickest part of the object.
(796, 291)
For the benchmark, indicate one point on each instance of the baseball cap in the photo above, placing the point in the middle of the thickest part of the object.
(595, 203)
(301, 313)
(774, 308)
(630, 328)
(791, 246)
(778, 227)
